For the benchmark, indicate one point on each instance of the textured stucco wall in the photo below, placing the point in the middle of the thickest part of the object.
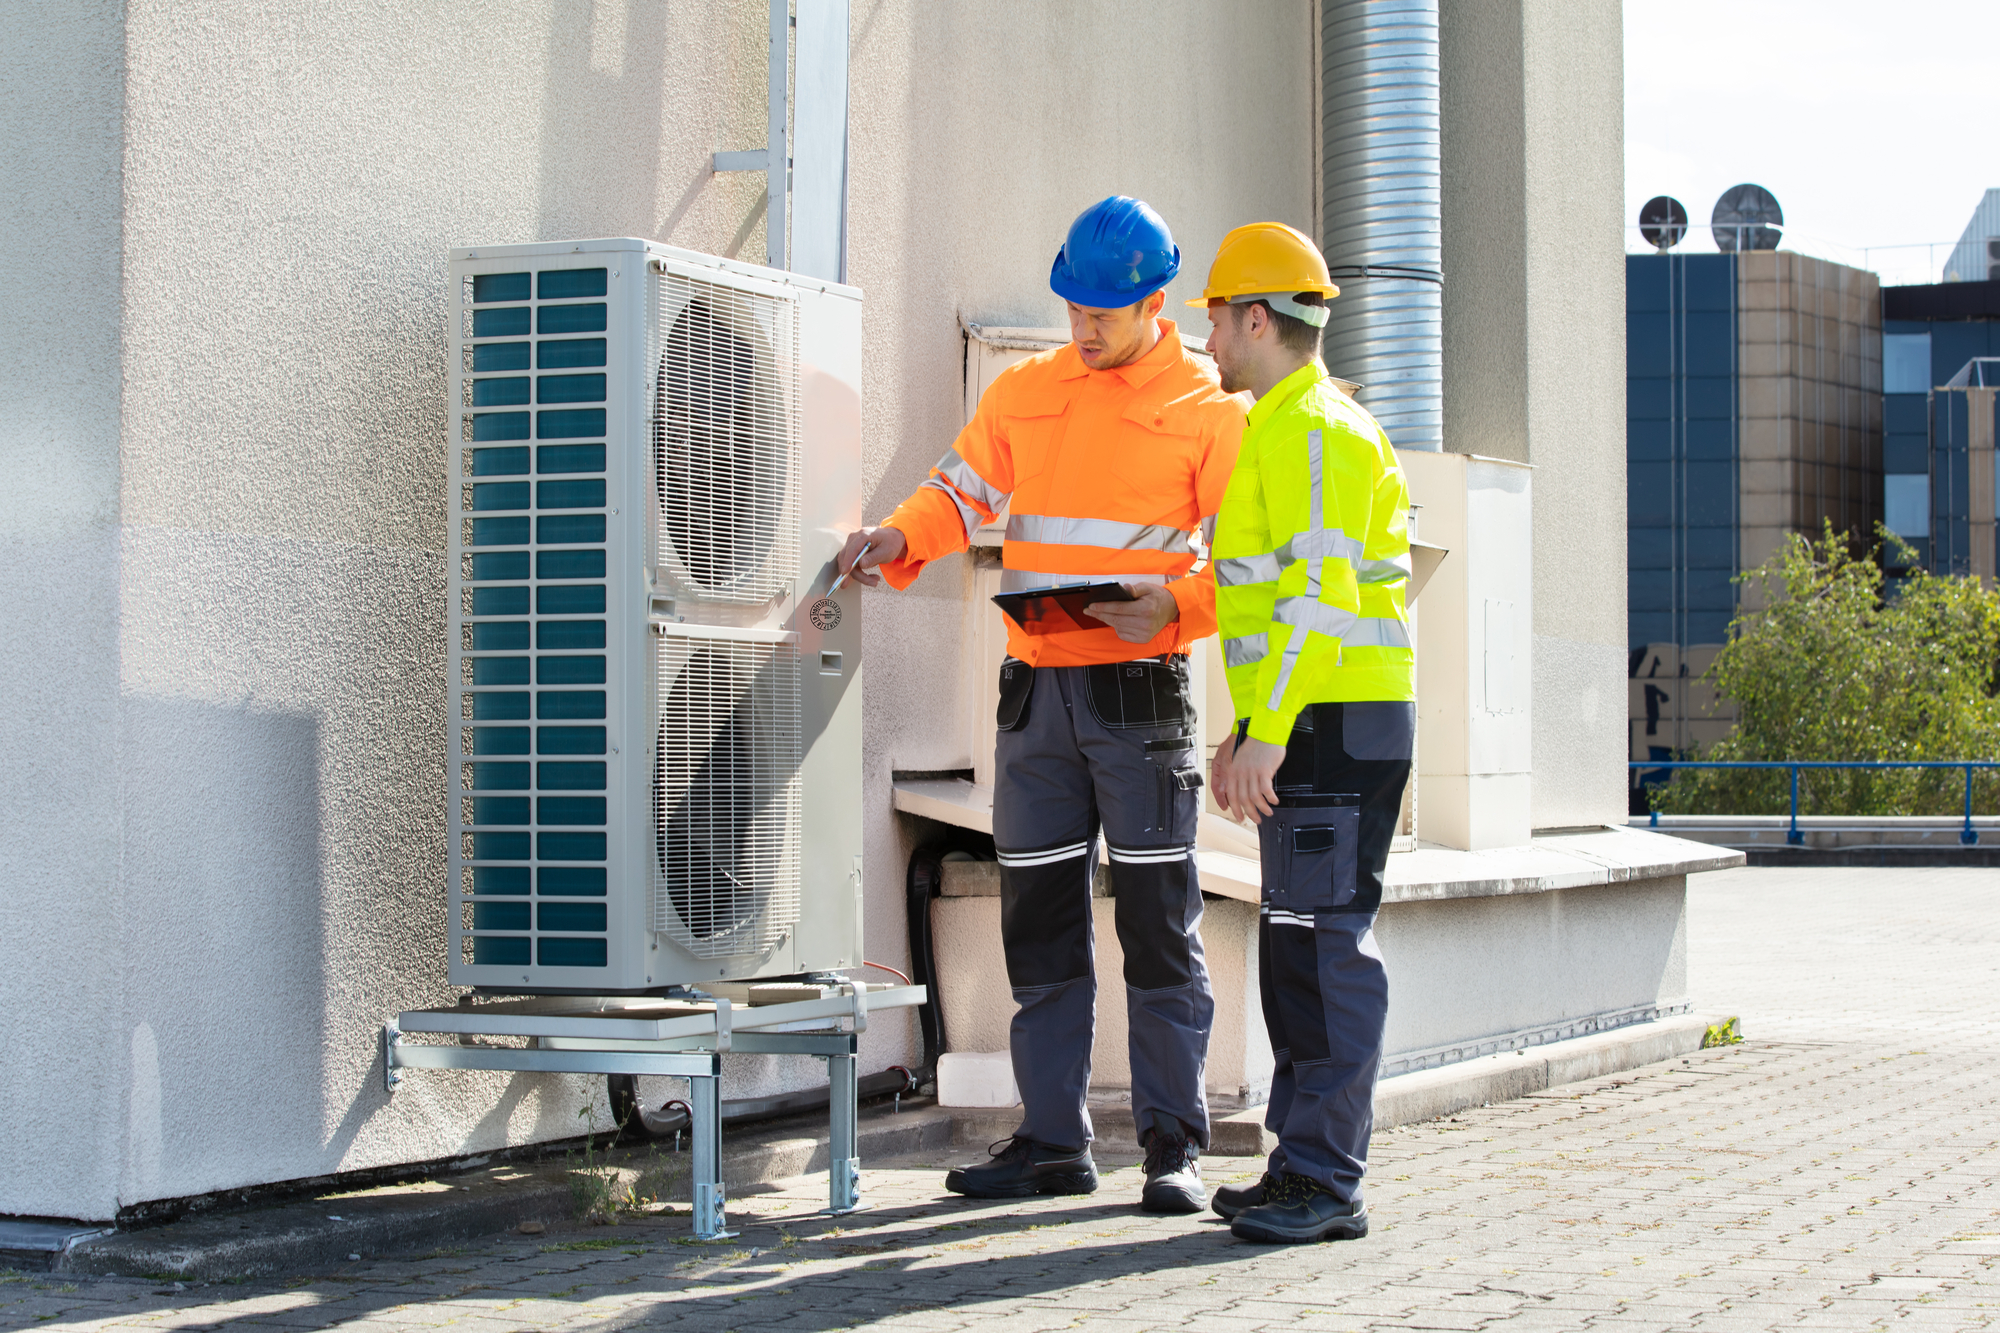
(1534, 347)
(61, 87)
(225, 411)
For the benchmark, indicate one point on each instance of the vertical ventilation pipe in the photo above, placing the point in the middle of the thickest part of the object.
(1383, 181)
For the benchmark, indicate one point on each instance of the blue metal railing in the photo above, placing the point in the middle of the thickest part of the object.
(1966, 835)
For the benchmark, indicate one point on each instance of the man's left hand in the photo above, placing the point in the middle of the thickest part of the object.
(1243, 786)
(1140, 620)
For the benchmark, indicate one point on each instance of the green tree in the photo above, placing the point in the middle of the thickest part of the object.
(1833, 669)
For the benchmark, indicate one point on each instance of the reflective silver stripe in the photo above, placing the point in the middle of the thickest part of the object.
(1297, 642)
(1327, 543)
(1241, 569)
(1290, 919)
(970, 517)
(1382, 571)
(1141, 856)
(961, 474)
(1029, 580)
(1049, 857)
(1315, 616)
(1377, 632)
(1291, 659)
(1319, 528)
(1103, 532)
(1246, 651)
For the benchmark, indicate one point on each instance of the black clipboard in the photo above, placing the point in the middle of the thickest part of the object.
(1059, 610)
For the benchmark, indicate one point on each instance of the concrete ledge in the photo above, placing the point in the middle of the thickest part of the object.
(1552, 861)
(1981, 854)
(1556, 860)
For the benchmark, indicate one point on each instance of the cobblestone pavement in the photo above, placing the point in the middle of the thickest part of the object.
(1836, 1171)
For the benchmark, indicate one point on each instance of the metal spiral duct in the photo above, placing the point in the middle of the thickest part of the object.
(1382, 211)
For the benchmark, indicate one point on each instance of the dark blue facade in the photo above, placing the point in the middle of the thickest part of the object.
(1924, 430)
(1681, 447)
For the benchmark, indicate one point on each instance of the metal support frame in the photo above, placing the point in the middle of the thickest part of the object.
(677, 1043)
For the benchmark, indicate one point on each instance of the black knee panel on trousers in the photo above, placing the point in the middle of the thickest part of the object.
(1156, 908)
(1045, 922)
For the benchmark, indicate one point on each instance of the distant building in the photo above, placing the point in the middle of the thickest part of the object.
(1938, 426)
(1976, 257)
(1753, 411)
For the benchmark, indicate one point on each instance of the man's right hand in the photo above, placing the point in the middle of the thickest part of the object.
(888, 544)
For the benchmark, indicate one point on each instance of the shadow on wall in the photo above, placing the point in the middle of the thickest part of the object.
(224, 946)
(596, 126)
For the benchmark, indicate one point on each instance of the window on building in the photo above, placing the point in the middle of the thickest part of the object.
(1906, 504)
(1906, 363)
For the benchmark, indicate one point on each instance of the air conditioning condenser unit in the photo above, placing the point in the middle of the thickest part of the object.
(653, 755)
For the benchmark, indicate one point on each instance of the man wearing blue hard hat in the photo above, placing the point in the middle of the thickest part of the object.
(1109, 454)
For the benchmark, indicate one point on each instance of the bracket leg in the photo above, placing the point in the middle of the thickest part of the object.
(709, 1198)
(391, 1074)
(844, 1165)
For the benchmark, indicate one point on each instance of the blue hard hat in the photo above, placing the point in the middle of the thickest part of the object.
(1118, 253)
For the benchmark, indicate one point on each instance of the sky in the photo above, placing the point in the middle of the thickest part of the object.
(1876, 123)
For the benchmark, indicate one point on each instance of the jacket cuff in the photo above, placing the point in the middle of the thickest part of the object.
(1196, 599)
(1274, 728)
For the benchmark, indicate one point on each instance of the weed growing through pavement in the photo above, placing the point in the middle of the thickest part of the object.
(600, 1190)
(1721, 1034)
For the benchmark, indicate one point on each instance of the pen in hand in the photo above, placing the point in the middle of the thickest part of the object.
(866, 547)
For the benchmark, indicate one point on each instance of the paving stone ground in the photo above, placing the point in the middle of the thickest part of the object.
(1835, 1171)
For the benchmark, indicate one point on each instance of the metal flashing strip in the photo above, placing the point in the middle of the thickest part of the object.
(1526, 1038)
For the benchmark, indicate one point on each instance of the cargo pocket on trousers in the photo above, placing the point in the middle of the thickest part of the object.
(1017, 682)
(1140, 694)
(1311, 853)
(1174, 772)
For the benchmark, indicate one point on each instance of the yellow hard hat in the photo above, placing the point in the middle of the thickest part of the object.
(1264, 259)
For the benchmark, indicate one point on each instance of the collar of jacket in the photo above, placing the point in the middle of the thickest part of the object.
(1135, 373)
(1284, 393)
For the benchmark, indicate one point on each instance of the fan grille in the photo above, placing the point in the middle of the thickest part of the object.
(726, 440)
(726, 796)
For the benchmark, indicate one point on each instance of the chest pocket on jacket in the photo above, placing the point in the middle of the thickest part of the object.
(1033, 441)
(1157, 458)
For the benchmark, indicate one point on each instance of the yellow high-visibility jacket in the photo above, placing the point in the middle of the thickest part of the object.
(1312, 556)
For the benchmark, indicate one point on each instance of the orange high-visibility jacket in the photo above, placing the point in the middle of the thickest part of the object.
(1110, 474)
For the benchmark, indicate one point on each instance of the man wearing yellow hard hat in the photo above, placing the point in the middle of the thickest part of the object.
(1312, 556)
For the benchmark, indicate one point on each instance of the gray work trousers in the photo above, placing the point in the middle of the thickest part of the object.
(1325, 992)
(1081, 748)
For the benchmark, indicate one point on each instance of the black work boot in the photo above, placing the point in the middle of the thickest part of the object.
(1173, 1169)
(1230, 1200)
(1022, 1167)
(1298, 1210)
